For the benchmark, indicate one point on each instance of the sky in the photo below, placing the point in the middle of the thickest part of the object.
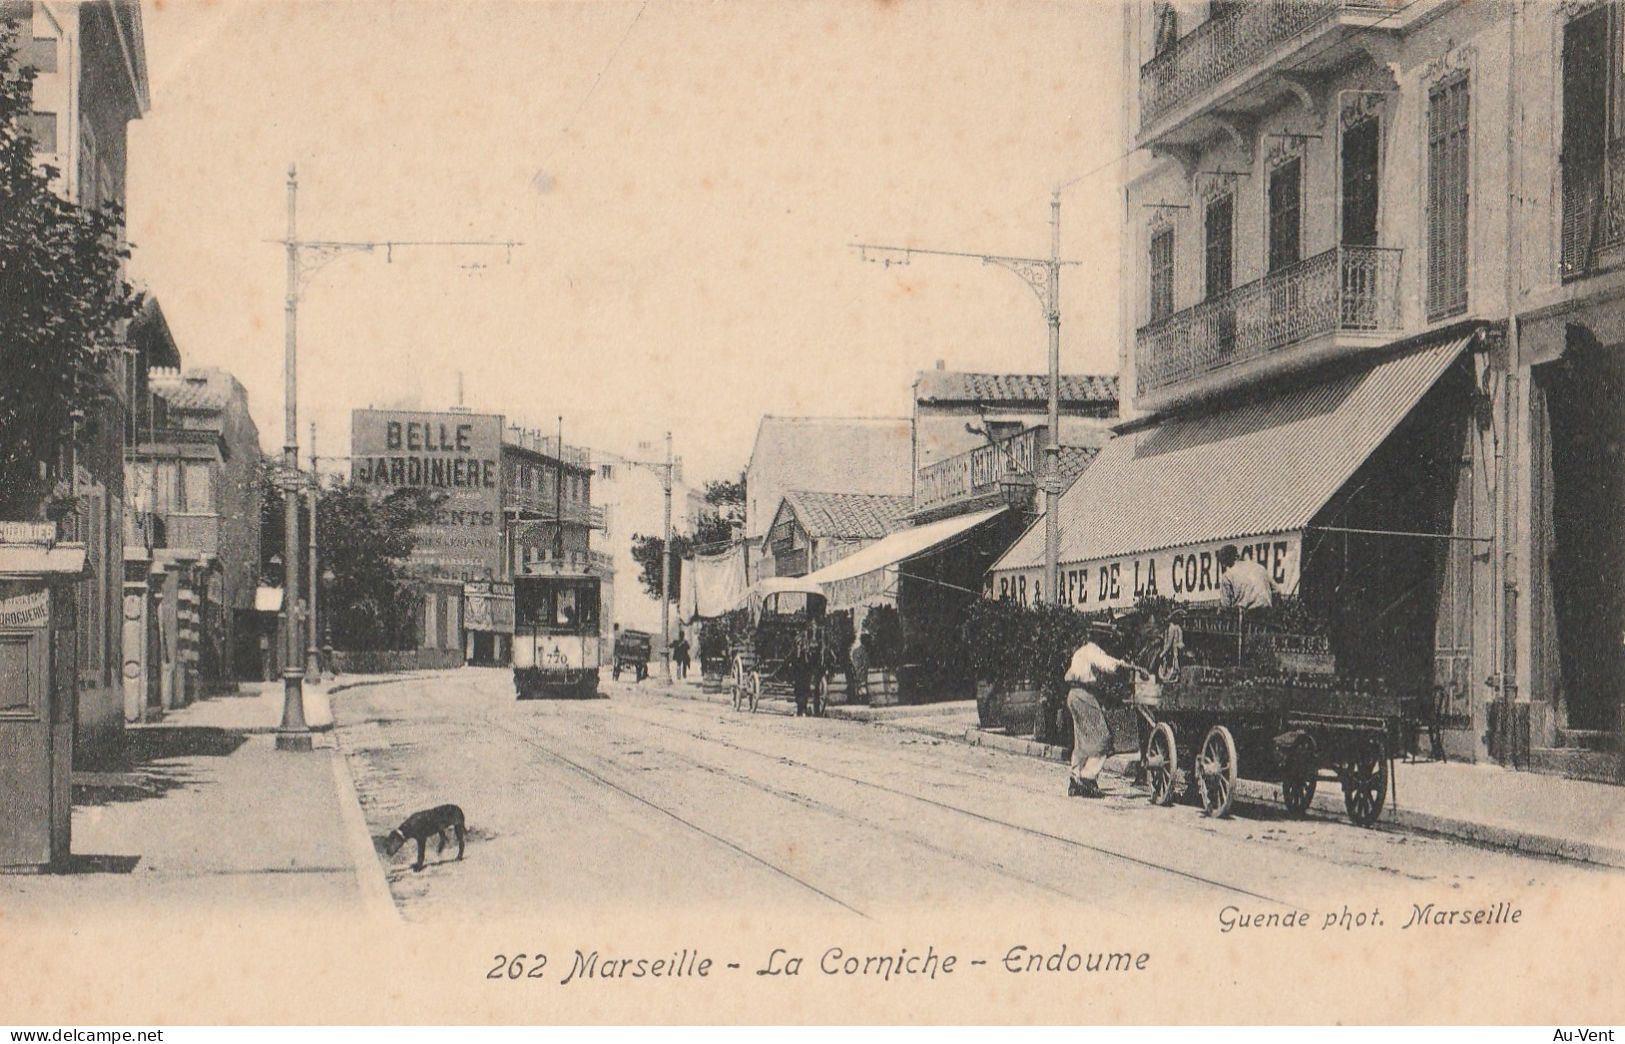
(684, 179)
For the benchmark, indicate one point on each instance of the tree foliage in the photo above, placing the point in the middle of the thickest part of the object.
(712, 527)
(63, 298)
(364, 537)
(646, 552)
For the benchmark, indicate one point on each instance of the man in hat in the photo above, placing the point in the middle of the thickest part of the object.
(1091, 735)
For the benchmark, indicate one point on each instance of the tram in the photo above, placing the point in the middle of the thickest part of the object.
(557, 638)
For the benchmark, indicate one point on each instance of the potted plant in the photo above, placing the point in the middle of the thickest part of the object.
(713, 655)
(883, 638)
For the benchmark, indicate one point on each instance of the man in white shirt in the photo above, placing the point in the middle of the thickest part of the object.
(1245, 584)
(1091, 735)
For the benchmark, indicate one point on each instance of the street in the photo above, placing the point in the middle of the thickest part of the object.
(645, 801)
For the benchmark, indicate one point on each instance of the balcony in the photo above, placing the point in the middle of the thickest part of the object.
(542, 504)
(1344, 297)
(1212, 62)
(1594, 215)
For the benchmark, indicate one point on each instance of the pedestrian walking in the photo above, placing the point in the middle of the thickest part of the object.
(679, 653)
(1091, 733)
(858, 677)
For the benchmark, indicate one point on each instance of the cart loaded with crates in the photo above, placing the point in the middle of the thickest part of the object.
(787, 627)
(1237, 695)
(632, 650)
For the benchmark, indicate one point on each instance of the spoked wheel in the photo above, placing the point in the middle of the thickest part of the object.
(738, 686)
(1298, 792)
(820, 695)
(1216, 772)
(1161, 761)
(1365, 784)
(753, 689)
(1298, 777)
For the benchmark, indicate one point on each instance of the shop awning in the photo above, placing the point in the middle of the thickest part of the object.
(870, 573)
(40, 560)
(1267, 466)
(267, 599)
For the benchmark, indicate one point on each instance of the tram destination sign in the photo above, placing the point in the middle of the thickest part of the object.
(455, 454)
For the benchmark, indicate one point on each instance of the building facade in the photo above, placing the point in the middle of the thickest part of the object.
(91, 81)
(1383, 233)
(813, 530)
(870, 455)
(193, 480)
(630, 491)
(511, 499)
(957, 412)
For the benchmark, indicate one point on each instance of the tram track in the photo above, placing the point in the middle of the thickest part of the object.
(943, 806)
(689, 824)
(758, 786)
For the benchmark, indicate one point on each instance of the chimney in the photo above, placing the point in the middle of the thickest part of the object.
(941, 364)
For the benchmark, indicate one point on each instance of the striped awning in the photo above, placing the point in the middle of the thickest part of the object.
(870, 574)
(1267, 466)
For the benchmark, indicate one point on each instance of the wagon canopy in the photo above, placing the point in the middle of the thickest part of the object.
(757, 596)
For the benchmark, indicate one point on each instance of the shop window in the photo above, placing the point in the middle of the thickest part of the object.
(1360, 182)
(1162, 274)
(1285, 214)
(1448, 108)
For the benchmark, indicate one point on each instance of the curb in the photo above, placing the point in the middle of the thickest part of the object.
(1254, 792)
(1014, 745)
(765, 706)
(369, 873)
(860, 712)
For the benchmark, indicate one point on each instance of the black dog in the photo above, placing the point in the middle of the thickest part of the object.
(420, 826)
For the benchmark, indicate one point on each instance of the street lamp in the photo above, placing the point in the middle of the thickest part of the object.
(327, 625)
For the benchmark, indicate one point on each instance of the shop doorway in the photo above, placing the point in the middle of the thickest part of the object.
(1579, 429)
(1384, 567)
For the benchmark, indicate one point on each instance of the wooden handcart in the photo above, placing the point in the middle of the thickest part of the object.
(1287, 717)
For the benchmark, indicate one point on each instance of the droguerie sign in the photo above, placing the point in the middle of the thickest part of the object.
(457, 454)
(1186, 574)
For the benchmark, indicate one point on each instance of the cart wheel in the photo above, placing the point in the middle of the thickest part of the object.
(820, 696)
(738, 683)
(753, 689)
(1365, 784)
(1216, 772)
(1161, 763)
(1298, 793)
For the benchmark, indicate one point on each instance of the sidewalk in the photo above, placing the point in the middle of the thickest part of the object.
(1484, 804)
(207, 815)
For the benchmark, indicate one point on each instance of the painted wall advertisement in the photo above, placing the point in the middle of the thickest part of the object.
(455, 454)
(1186, 574)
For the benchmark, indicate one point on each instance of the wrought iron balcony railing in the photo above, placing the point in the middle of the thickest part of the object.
(1353, 289)
(1593, 212)
(1243, 35)
(542, 504)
